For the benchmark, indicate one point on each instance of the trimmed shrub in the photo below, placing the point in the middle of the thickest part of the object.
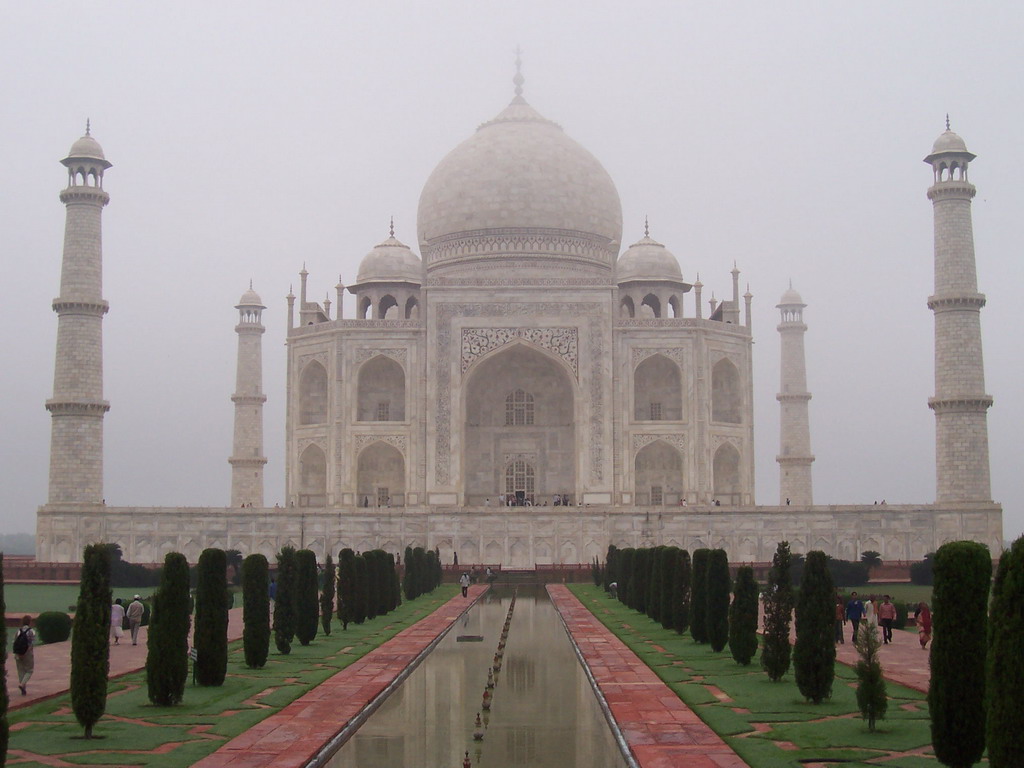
(778, 612)
(53, 627)
(307, 608)
(848, 574)
(625, 558)
(699, 602)
(346, 586)
(4, 701)
(167, 644)
(684, 577)
(743, 617)
(956, 694)
(396, 583)
(921, 573)
(718, 585)
(284, 603)
(871, 697)
(669, 579)
(359, 592)
(419, 570)
(256, 610)
(327, 596)
(1005, 670)
(90, 651)
(409, 578)
(656, 585)
(611, 571)
(211, 633)
(814, 655)
(641, 582)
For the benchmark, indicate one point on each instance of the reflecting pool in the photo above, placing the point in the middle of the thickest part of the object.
(543, 710)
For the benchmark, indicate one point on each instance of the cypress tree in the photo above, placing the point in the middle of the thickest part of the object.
(718, 584)
(870, 683)
(814, 655)
(624, 559)
(409, 578)
(327, 596)
(641, 579)
(307, 597)
(169, 625)
(211, 633)
(743, 617)
(256, 610)
(610, 567)
(346, 586)
(4, 701)
(778, 612)
(396, 583)
(956, 694)
(669, 577)
(374, 577)
(684, 578)
(1005, 671)
(699, 599)
(430, 571)
(90, 651)
(284, 603)
(655, 585)
(359, 587)
(419, 570)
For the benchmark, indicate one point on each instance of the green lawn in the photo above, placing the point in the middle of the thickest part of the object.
(770, 725)
(36, 598)
(169, 737)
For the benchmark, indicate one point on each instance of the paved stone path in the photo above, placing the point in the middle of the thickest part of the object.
(660, 729)
(53, 663)
(294, 735)
(903, 661)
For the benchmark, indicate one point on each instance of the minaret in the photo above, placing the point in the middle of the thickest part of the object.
(960, 402)
(247, 459)
(77, 406)
(795, 457)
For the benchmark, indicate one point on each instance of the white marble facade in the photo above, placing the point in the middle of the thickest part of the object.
(523, 354)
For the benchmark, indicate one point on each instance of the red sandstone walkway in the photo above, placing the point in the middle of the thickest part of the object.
(294, 735)
(661, 730)
(53, 664)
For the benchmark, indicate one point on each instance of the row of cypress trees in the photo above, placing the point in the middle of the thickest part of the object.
(423, 572)
(663, 583)
(367, 585)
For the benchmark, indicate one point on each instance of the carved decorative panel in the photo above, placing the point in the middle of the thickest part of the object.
(398, 441)
(364, 354)
(642, 353)
(640, 440)
(564, 342)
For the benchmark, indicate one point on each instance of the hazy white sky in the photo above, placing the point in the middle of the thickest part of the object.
(250, 138)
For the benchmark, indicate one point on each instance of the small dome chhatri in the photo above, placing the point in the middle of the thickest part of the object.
(391, 261)
(949, 143)
(87, 148)
(251, 299)
(791, 298)
(647, 260)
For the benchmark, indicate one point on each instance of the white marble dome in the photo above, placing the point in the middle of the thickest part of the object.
(791, 297)
(519, 172)
(390, 262)
(251, 299)
(949, 142)
(86, 148)
(647, 259)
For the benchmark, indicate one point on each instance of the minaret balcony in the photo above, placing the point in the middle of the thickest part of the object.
(74, 307)
(969, 301)
(978, 404)
(61, 407)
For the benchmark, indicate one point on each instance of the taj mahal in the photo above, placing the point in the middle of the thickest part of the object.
(520, 386)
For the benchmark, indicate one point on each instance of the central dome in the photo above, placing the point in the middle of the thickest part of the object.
(519, 175)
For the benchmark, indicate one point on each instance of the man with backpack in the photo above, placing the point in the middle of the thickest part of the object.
(23, 657)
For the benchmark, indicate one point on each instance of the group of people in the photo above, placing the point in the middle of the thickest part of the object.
(471, 576)
(133, 612)
(884, 614)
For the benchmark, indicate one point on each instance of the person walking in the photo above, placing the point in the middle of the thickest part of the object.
(840, 620)
(886, 616)
(464, 583)
(24, 659)
(117, 621)
(854, 613)
(134, 613)
(923, 618)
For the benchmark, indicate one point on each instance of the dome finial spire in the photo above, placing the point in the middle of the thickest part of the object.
(87, 126)
(647, 229)
(392, 228)
(518, 80)
(947, 121)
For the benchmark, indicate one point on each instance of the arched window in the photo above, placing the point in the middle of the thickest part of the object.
(726, 400)
(520, 478)
(381, 390)
(675, 305)
(380, 476)
(518, 409)
(626, 308)
(387, 305)
(651, 301)
(412, 308)
(364, 308)
(657, 390)
(313, 394)
(658, 475)
(726, 471)
(312, 477)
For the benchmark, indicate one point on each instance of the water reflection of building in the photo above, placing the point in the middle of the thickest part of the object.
(525, 356)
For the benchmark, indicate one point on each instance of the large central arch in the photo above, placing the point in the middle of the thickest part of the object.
(519, 407)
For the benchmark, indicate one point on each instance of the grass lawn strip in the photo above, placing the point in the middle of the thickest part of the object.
(770, 724)
(136, 733)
